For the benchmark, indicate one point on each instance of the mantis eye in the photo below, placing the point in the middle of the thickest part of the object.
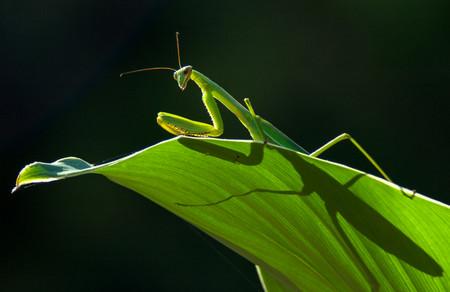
(187, 71)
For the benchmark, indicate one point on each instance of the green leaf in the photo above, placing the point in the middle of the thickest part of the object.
(309, 224)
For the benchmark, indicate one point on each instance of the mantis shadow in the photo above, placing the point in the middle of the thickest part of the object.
(208, 148)
(338, 199)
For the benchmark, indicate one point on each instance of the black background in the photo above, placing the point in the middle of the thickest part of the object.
(379, 70)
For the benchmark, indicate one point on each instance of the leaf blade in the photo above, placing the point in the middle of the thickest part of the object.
(306, 221)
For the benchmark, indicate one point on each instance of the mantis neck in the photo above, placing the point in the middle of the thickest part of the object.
(206, 85)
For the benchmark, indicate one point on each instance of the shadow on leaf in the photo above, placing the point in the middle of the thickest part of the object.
(338, 199)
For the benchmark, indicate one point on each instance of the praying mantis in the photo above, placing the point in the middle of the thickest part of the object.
(259, 129)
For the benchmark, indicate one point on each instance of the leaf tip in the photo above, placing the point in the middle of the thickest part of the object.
(14, 189)
(40, 172)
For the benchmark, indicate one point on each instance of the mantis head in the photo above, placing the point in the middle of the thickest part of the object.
(182, 76)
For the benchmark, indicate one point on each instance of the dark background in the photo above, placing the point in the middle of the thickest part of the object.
(379, 70)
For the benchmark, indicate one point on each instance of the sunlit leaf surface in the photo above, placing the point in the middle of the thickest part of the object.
(309, 224)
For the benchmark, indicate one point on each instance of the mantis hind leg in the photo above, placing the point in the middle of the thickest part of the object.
(346, 136)
(178, 125)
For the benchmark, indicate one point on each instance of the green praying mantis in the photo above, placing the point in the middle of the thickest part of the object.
(260, 129)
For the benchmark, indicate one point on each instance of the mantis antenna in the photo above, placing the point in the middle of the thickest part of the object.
(178, 48)
(159, 68)
(146, 69)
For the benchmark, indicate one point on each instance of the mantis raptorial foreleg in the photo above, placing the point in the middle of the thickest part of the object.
(178, 125)
(344, 137)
